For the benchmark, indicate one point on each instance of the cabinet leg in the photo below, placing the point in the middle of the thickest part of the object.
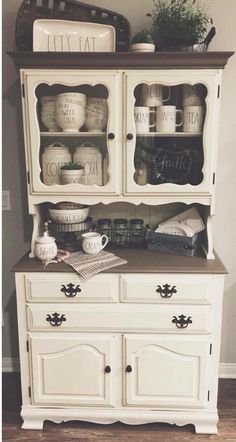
(206, 429)
(32, 424)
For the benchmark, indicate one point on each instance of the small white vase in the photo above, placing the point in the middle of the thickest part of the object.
(143, 47)
(71, 176)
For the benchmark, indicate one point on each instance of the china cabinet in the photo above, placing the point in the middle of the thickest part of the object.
(139, 343)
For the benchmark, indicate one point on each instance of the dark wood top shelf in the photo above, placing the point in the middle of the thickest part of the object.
(139, 261)
(122, 60)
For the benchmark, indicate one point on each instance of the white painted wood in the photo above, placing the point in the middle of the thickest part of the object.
(119, 318)
(210, 79)
(166, 371)
(32, 79)
(190, 289)
(48, 288)
(69, 369)
(204, 421)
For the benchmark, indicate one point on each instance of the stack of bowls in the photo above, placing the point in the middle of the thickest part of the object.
(48, 113)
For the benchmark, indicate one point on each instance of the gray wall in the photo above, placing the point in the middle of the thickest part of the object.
(17, 223)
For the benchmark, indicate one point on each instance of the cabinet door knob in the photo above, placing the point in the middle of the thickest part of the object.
(55, 319)
(128, 369)
(166, 291)
(111, 136)
(70, 291)
(107, 369)
(130, 136)
(182, 321)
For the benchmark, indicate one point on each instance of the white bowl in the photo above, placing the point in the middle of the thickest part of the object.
(69, 216)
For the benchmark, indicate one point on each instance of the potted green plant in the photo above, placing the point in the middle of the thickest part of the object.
(71, 173)
(178, 24)
(143, 42)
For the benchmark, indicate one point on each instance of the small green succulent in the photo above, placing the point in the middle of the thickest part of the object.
(72, 166)
(143, 36)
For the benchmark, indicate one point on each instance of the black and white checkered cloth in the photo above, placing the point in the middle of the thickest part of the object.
(90, 265)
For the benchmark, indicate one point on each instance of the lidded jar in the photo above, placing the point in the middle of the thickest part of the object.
(104, 226)
(136, 232)
(90, 157)
(120, 234)
(45, 246)
(54, 156)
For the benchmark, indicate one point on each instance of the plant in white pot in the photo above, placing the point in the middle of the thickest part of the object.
(143, 42)
(71, 173)
(179, 24)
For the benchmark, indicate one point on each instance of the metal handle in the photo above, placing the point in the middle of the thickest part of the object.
(165, 291)
(107, 369)
(130, 136)
(70, 291)
(55, 319)
(128, 369)
(182, 322)
(111, 136)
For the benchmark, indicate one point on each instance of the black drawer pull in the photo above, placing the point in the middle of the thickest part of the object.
(182, 322)
(55, 320)
(128, 369)
(111, 136)
(166, 291)
(107, 369)
(70, 291)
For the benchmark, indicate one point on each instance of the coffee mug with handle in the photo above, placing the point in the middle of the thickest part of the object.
(141, 118)
(192, 95)
(92, 242)
(193, 119)
(166, 119)
(153, 95)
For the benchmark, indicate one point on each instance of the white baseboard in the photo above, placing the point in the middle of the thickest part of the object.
(226, 370)
(10, 365)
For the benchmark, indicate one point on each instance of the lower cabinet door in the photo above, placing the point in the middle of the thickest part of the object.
(166, 371)
(72, 369)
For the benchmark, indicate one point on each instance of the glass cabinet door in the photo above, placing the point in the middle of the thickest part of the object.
(72, 123)
(170, 136)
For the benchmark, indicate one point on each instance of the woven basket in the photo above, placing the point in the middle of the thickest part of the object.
(32, 10)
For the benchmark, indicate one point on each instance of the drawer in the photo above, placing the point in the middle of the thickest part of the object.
(68, 287)
(119, 318)
(169, 288)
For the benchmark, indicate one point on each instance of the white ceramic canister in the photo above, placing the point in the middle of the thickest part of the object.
(45, 247)
(90, 157)
(54, 156)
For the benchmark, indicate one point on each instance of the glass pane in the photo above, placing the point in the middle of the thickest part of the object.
(73, 124)
(169, 125)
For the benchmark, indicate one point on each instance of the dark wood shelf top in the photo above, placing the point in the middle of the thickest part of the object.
(139, 261)
(122, 60)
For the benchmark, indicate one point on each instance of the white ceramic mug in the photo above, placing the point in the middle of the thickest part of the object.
(153, 95)
(70, 111)
(166, 119)
(96, 114)
(193, 119)
(192, 95)
(141, 118)
(92, 242)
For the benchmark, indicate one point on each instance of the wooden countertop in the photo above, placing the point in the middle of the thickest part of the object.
(139, 261)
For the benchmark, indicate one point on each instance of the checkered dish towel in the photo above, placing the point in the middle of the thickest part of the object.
(90, 265)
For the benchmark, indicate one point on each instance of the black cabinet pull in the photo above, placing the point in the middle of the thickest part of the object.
(107, 369)
(55, 319)
(70, 291)
(182, 322)
(166, 291)
(130, 136)
(128, 369)
(111, 136)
